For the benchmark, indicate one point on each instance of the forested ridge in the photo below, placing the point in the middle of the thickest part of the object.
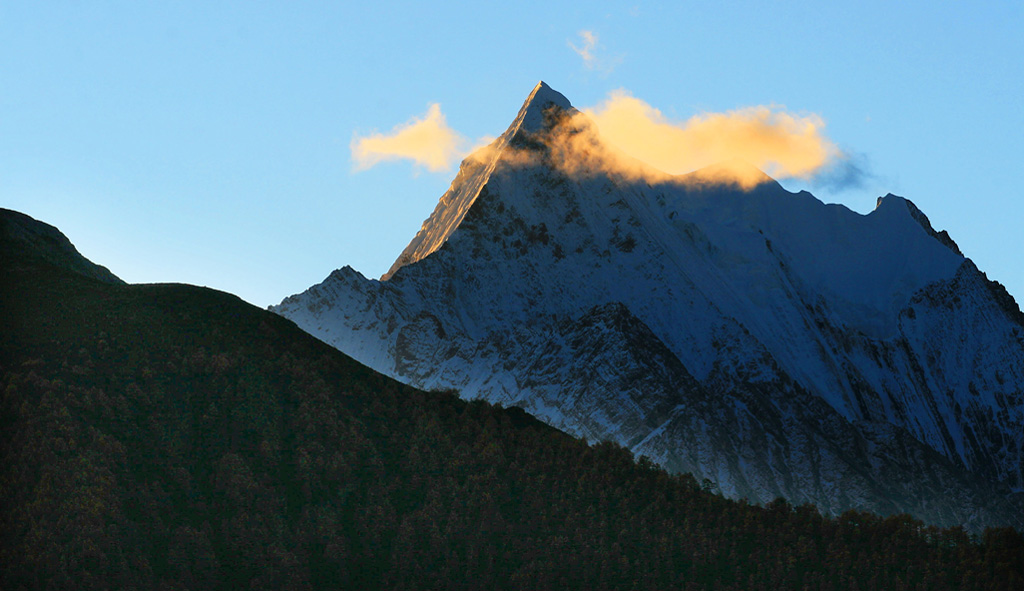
(174, 437)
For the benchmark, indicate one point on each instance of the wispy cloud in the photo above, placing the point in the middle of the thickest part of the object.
(588, 50)
(852, 171)
(427, 141)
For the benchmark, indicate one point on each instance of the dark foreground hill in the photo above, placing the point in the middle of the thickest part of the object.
(168, 436)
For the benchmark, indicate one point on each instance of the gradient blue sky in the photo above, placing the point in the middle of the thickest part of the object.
(177, 142)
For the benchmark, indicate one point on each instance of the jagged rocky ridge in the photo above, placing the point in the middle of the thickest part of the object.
(761, 339)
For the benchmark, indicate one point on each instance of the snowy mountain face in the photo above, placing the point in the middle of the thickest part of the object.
(758, 338)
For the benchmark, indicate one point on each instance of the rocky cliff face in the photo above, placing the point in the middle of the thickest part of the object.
(761, 339)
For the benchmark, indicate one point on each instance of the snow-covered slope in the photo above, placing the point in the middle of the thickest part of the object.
(758, 338)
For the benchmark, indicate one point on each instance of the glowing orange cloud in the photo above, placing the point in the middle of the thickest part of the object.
(427, 141)
(626, 136)
(777, 142)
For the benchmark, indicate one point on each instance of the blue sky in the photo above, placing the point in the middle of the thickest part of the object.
(182, 143)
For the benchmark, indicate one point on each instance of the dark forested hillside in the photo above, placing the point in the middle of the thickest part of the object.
(168, 436)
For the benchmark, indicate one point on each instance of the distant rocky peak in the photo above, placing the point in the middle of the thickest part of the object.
(919, 216)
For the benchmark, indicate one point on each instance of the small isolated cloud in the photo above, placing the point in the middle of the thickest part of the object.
(427, 141)
(779, 143)
(588, 51)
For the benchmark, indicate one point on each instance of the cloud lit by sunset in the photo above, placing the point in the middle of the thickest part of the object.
(635, 139)
(777, 142)
(427, 141)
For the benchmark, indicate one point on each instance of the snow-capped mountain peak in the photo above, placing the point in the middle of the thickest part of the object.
(537, 114)
(531, 117)
(762, 339)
